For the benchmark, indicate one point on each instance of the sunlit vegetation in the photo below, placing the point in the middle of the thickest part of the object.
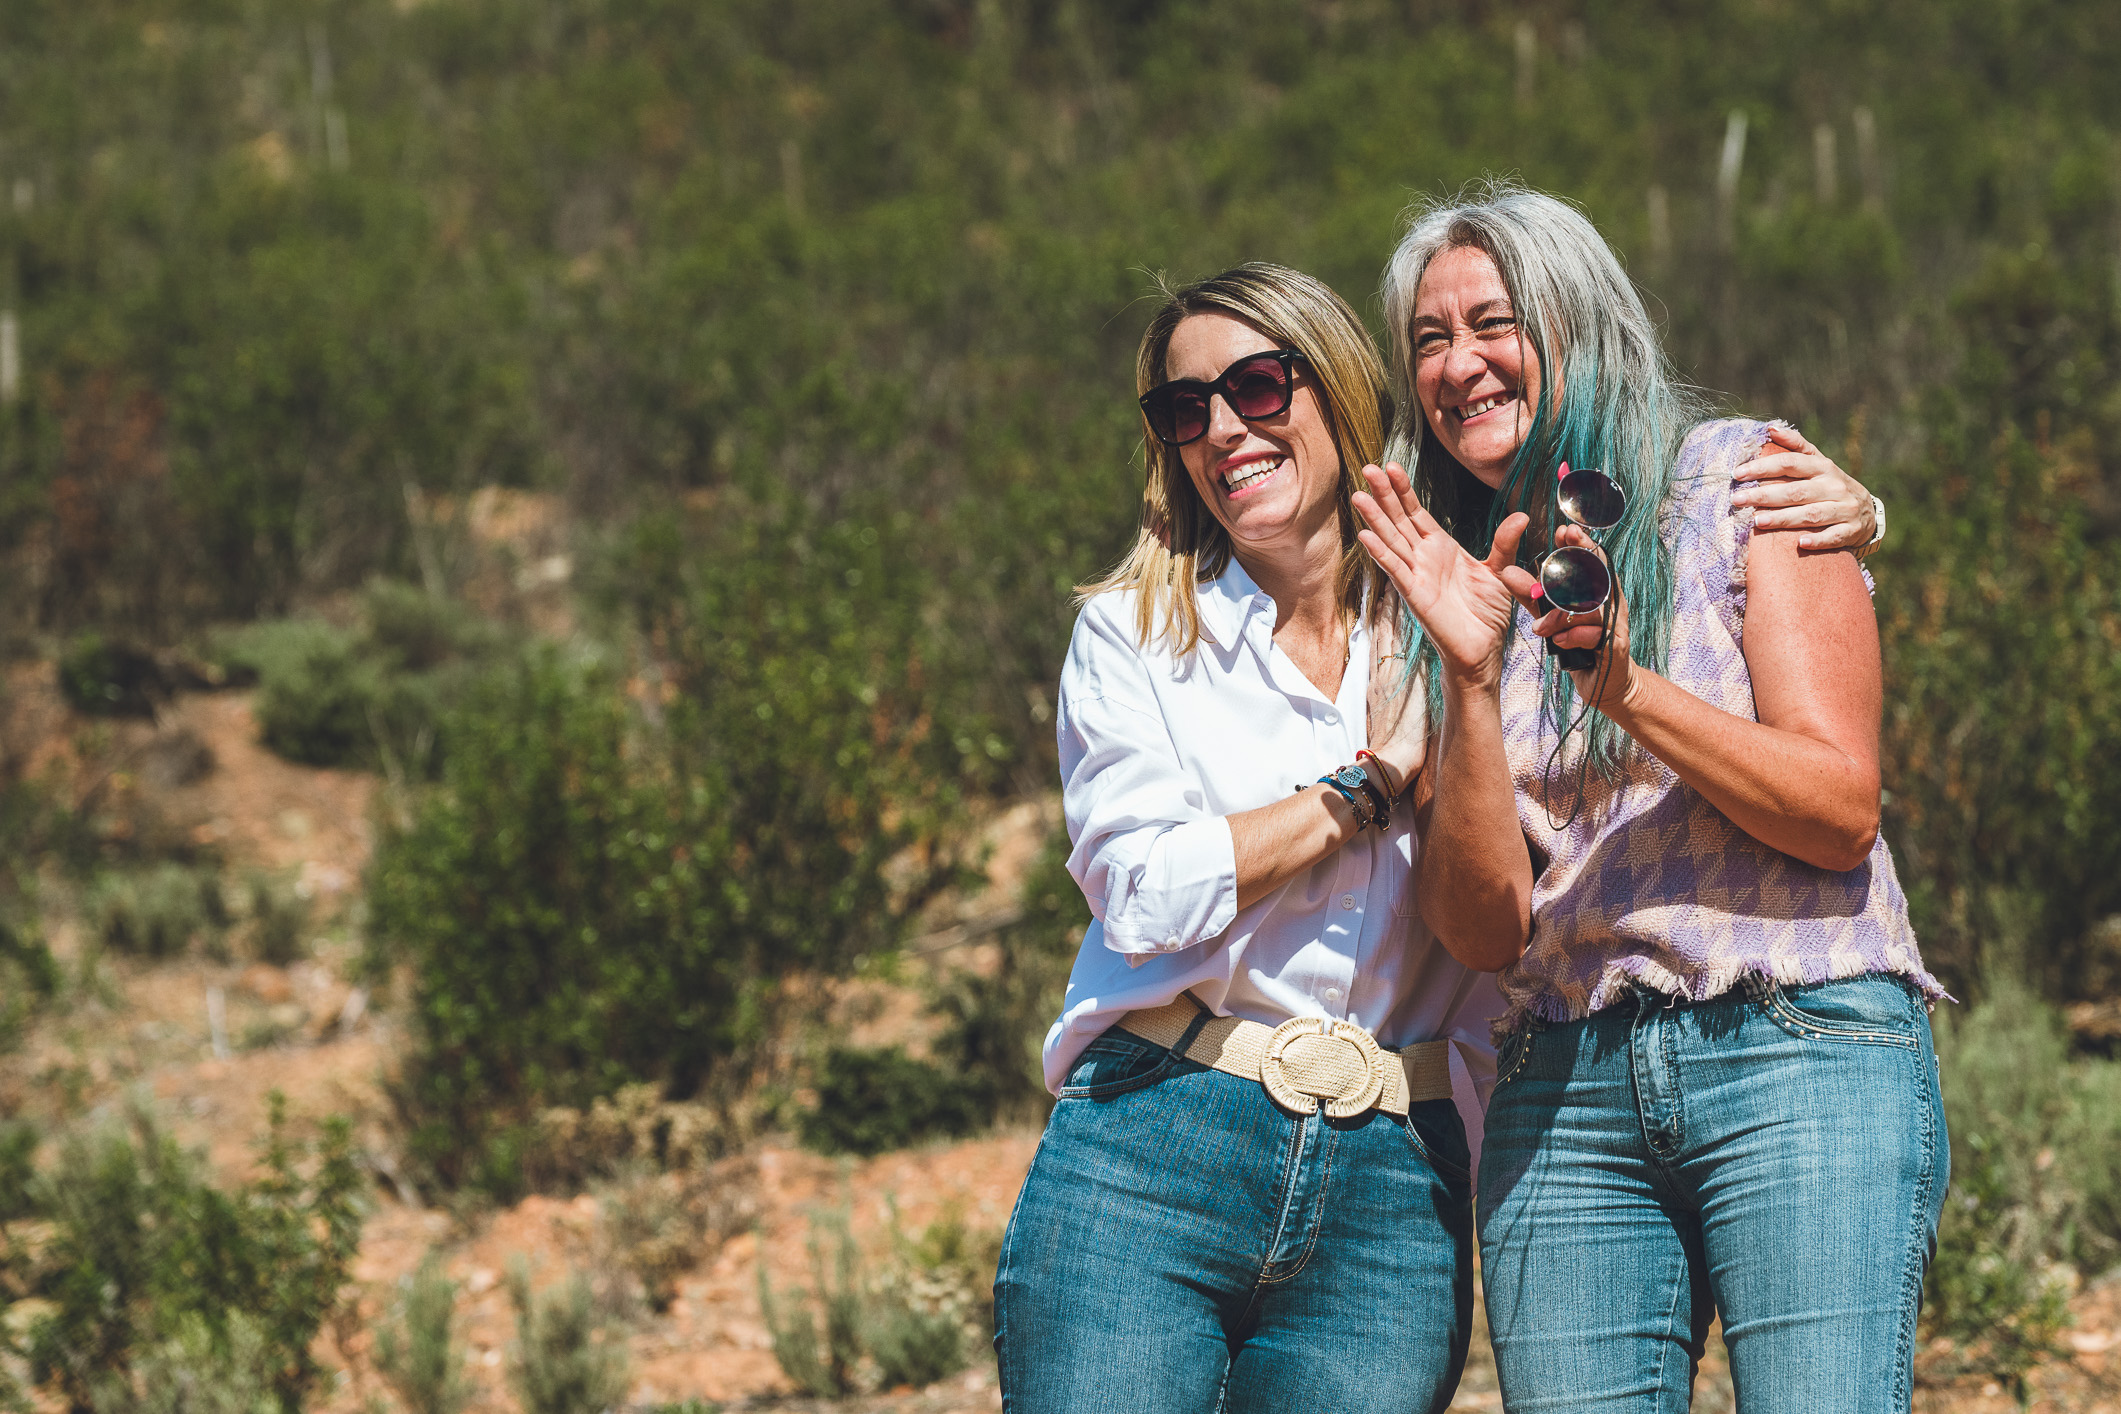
(816, 323)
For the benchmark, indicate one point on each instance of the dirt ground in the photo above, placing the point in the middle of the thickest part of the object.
(306, 1031)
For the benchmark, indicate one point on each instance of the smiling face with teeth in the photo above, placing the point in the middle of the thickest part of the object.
(1477, 380)
(1273, 483)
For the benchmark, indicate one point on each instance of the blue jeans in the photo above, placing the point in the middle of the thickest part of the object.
(1776, 1154)
(1183, 1246)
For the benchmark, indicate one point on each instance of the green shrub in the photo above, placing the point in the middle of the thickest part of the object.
(29, 978)
(821, 1354)
(417, 1350)
(940, 1305)
(562, 1361)
(589, 902)
(1998, 614)
(316, 694)
(2034, 1185)
(158, 912)
(276, 918)
(200, 1370)
(142, 1254)
(415, 630)
(367, 697)
(18, 1153)
(873, 1100)
(913, 1324)
(107, 677)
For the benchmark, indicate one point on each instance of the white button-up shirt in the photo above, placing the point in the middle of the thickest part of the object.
(1155, 753)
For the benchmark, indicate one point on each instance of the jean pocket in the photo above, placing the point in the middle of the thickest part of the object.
(1438, 1137)
(1116, 1062)
(1514, 1053)
(1872, 1010)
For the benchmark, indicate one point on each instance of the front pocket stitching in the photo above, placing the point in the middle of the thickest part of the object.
(1520, 1043)
(1784, 1013)
(1118, 1087)
(1443, 1167)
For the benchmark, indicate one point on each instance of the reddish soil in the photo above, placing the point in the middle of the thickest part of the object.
(713, 1342)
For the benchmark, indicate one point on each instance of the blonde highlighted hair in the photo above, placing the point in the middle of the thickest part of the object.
(1182, 544)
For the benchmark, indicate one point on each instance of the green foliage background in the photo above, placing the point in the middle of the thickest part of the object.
(820, 318)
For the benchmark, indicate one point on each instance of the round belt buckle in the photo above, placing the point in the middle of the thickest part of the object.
(1368, 1085)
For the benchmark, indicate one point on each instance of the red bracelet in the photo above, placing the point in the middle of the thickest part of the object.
(1383, 771)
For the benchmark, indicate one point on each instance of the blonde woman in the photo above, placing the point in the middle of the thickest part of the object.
(1211, 1223)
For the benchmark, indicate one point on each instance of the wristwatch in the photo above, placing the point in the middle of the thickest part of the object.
(1878, 534)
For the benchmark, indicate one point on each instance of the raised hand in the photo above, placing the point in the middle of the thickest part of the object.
(1463, 604)
(1792, 485)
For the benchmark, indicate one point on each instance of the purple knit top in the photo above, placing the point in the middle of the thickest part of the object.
(1651, 883)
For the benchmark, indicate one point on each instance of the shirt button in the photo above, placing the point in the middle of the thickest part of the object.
(1347, 901)
(1331, 718)
(1332, 994)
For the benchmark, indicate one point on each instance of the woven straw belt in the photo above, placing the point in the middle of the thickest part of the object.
(1304, 1061)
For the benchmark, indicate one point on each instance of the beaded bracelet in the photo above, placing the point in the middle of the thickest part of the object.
(1365, 812)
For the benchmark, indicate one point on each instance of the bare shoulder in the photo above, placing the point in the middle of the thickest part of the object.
(1811, 643)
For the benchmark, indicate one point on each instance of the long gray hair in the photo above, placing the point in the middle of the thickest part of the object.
(1616, 405)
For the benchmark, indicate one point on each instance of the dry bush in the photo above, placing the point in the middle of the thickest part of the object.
(631, 1130)
(658, 1226)
(563, 1360)
(418, 1352)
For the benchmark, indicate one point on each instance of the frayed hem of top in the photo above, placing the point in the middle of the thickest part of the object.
(1553, 1010)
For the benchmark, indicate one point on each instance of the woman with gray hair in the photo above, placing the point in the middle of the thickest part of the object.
(1716, 1091)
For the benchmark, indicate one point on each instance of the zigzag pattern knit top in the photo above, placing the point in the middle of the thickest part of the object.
(1651, 883)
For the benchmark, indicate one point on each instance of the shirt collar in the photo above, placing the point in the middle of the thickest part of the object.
(1231, 598)
(1227, 602)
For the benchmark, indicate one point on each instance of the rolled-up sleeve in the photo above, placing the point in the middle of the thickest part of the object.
(1157, 865)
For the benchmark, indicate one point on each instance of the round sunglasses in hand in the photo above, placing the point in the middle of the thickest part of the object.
(1574, 578)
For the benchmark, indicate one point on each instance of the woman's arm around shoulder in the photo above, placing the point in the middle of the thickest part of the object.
(1792, 485)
